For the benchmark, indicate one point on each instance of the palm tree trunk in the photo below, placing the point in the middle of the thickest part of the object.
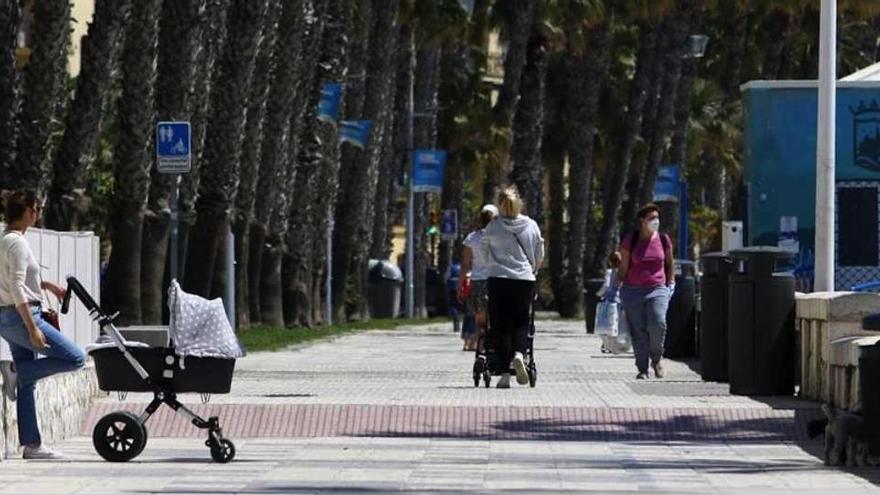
(528, 128)
(10, 16)
(76, 152)
(45, 84)
(213, 39)
(219, 175)
(554, 157)
(353, 233)
(255, 133)
(179, 33)
(274, 158)
(132, 161)
(614, 190)
(586, 75)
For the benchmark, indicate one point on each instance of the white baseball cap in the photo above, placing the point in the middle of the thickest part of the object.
(490, 207)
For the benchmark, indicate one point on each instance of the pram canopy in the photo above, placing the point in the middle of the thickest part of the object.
(199, 327)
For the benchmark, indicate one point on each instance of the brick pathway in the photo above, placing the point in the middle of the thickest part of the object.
(397, 410)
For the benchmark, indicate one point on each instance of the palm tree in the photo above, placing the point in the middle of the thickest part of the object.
(528, 127)
(352, 236)
(587, 51)
(45, 85)
(276, 162)
(246, 198)
(179, 33)
(132, 161)
(76, 152)
(213, 38)
(10, 14)
(219, 173)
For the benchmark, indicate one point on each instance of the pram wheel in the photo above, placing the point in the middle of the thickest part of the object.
(119, 436)
(533, 375)
(222, 451)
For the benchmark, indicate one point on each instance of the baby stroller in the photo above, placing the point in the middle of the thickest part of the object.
(185, 365)
(486, 362)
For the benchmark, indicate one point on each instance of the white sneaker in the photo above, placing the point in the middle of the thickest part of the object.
(41, 452)
(504, 382)
(519, 365)
(10, 380)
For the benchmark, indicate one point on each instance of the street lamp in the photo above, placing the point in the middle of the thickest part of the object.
(826, 129)
(696, 45)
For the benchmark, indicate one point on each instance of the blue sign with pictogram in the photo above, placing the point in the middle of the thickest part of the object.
(173, 147)
(449, 225)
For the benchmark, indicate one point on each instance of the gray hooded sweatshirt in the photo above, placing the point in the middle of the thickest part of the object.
(505, 256)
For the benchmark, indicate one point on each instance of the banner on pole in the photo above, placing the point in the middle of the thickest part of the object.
(428, 168)
(331, 99)
(666, 188)
(355, 132)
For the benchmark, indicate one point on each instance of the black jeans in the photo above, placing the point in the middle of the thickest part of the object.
(509, 304)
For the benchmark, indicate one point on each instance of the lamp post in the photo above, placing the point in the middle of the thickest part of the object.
(825, 147)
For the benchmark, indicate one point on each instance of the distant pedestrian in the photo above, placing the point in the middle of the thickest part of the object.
(514, 248)
(609, 292)
(647, 274)
(475, 273)
(22, 324)
(452, 276)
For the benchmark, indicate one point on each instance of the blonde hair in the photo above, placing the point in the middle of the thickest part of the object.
(509, 203)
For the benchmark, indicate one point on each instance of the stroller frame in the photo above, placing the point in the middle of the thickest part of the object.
(121, 436)
(484, 354)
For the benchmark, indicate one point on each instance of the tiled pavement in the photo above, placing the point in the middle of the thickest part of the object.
(397, 411)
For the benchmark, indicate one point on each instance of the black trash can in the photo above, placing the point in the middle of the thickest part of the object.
(713, 316)
(383, 291)
(681, 316)
(591, 300)
(869, 385)
(761, 310)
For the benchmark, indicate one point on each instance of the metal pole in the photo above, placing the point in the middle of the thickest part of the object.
(328, 283)
(410, 202)
(230, 278)
(825, 181)
(175, 224)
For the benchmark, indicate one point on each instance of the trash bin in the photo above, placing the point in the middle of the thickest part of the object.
(383, 291)
(713, 316)
(761, 337)
(681, 316)
(591, 287)
(869, 384)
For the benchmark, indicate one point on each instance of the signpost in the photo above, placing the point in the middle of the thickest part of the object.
(174, 157)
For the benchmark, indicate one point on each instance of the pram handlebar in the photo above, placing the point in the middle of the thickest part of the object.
(105, 321)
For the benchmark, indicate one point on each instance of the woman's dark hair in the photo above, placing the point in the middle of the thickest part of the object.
(15, 203)
(486, 218)
(648, 208)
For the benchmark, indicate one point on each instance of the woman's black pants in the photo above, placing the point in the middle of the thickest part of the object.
(509, 305)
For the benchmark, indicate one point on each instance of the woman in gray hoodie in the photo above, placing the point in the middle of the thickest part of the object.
(513, 247)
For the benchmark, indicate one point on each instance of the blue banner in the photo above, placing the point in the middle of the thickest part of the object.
(356, 132)
(331, 99)
(428, 168)
(666, 188)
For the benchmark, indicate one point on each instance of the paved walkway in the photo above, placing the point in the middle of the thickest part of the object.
(397, 411)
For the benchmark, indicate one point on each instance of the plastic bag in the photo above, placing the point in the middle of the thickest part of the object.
(607, 317)
(624, 337)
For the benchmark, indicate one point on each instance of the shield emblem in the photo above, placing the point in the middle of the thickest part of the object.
(866, 136)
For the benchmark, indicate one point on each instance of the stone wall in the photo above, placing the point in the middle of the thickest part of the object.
(829, 324)
(62, 403)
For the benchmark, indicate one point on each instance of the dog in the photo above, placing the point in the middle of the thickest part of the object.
(844, 440)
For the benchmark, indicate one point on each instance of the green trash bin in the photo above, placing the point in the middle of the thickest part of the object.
(761, 310)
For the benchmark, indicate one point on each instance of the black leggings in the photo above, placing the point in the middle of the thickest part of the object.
(509, 304)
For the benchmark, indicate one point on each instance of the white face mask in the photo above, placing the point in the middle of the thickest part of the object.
(654, 225)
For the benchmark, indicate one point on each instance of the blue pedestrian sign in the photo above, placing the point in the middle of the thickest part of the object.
(449, 225)
(173, 148)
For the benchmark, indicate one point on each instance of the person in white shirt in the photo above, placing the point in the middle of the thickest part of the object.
(513, 247)
(22, 325)
(475, 267)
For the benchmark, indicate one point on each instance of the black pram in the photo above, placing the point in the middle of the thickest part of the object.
(486, 363)
(166, 371)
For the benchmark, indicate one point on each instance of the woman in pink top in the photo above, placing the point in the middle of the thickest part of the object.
(647, 274)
